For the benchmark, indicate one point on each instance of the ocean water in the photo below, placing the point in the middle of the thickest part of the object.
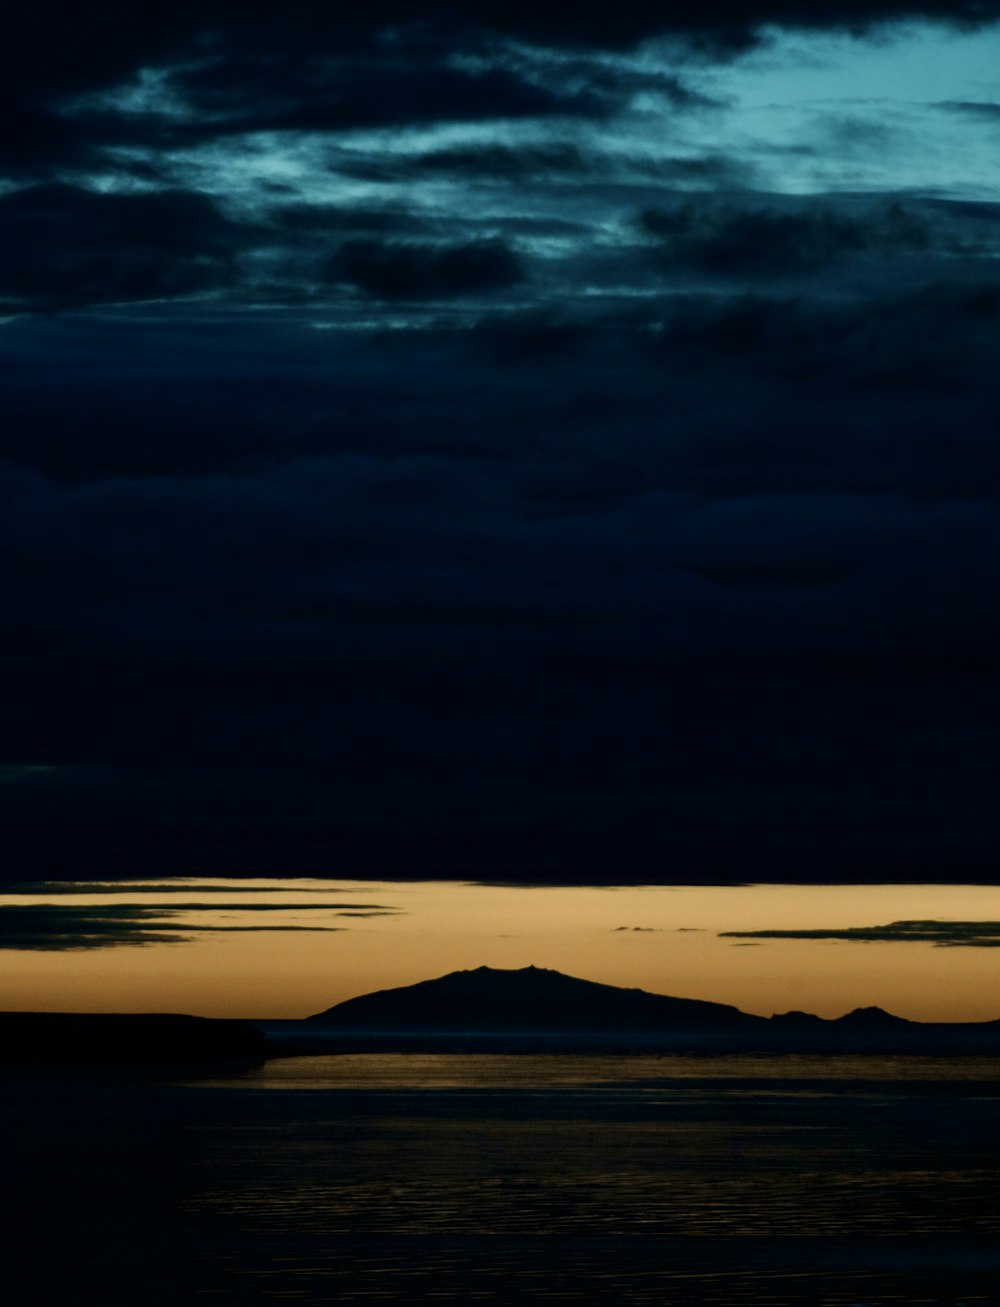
(475, 1178)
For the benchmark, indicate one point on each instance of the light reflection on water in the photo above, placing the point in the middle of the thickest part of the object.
(547, 1071)
(648, 1179)
(771, 1181)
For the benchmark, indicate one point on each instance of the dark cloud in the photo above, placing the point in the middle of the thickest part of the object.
(245, 67)
(754, 576)
(48, 889)
(974, 211)
(298, 219)
(385, 913)
(71, 246)
(699, 591)
(489, 160)
(64, 246)
(47, 42)
(43, 927)
(298, 93)
(711, 171)
(408, 270)
(483, 531)
(977, 108)
(590, 79)
(618, 80)
(749, 243)
(200, 927)
(557, 162)
(896, 343)
(942, 934)
(339, 909)
(41, 140)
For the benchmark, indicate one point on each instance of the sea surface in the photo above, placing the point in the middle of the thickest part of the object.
(374, 1178)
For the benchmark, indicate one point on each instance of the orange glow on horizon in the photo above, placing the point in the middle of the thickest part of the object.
(665, 939)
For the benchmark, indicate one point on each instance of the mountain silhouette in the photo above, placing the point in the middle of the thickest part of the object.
(521, 1001)
(871, 1018)
(535, 1009)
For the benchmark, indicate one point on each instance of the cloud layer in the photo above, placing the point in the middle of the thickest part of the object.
(70, 926)
(536, 445)
(942, 934)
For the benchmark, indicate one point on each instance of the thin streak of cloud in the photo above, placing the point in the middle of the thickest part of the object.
(323, 930)
(978, 108)
(50, 889)
(384, 912)
(56, 928)
(942, 934)
(342, 909)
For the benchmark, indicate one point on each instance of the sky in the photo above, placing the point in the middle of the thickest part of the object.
(285, 948)
(501, 444)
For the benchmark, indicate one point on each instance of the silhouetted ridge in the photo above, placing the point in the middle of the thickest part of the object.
(805, 1020)
(871, 1018)
(126, 1038)
(527, 1000)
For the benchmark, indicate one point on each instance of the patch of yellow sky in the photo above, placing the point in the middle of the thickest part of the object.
(446, 926)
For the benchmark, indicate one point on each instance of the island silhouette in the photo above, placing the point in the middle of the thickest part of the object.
(531, 1009)
(533, 1006)
(532, 998)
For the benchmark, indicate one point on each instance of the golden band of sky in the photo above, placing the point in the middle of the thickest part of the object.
(233, 953)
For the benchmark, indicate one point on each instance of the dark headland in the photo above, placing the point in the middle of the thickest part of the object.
(126, 1039)
(535, 1008)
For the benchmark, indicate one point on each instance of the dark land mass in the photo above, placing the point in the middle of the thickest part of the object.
(72, 1038)
(530, 999)
(484, 1010)
(535, 1009)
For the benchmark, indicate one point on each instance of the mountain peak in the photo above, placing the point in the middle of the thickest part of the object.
(525, 999)
(871, 1018)
(503, 971)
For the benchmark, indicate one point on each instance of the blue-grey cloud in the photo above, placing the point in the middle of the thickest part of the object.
(223, 69)
(407, 270)
(987, 109)
(752, 241)
(490, 160)
(268, 93)
(62, 245)
(454, 447)
(72, 246)
(552, 580)
(764, 575)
